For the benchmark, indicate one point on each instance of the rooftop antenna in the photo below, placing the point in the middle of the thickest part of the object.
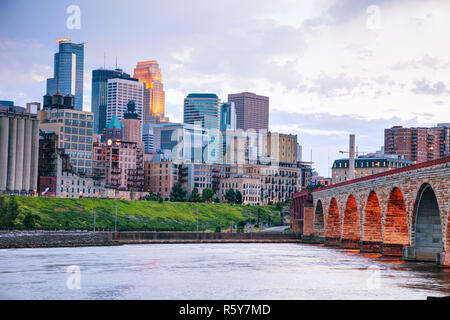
(104, 60)
(116, 62)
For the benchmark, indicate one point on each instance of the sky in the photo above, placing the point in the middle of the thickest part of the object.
(329, 67)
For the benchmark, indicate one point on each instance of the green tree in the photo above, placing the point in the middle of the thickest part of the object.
(30, 220)
(178, 194)
(207, 194)
(195, 196)
(230, 196)
(216, 200)
(238, 197)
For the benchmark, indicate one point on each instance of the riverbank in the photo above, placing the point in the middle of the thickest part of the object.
(42, 239)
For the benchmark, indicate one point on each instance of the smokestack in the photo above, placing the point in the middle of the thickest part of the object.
(351, 159)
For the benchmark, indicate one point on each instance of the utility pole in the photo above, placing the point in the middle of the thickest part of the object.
(115, 222)
(197, 219)
(95, 213)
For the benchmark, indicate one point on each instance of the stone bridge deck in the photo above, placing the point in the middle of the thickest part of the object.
(404, 211)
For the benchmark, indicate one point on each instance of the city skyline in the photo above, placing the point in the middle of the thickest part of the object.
(380, 74)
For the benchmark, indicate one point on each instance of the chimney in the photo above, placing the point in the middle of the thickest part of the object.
(351, 159)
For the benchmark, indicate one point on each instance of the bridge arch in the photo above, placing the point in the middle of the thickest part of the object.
(333, 226)
(319, 220)
(372, 231)
(350, 228)
(395, 235)
(426, 223)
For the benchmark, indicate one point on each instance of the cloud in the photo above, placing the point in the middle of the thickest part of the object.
(423, 87)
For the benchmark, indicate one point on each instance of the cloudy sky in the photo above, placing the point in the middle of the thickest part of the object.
(330, 67)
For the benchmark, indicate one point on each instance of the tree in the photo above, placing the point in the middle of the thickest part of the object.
(207, 194)
(178, 194)
(30, 220)
(9, 210)
(238, 197)
(216, 200)
(195, 196)
(230, 196)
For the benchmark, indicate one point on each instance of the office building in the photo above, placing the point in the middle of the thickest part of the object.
(252, 111)
(120, 93)
(68, 71)
(131, 125)
(100, 79)
(149, 73)
(203, 110)
(74, 129)
(367, 165)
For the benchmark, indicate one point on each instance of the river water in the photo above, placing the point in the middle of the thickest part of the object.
(214, 271)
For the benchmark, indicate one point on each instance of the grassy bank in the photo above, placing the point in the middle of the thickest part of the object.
(57, 213)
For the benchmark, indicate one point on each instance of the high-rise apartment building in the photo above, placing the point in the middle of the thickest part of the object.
(418, 144)
(68, 71)
(120, 93)
(252, 110)
(149, 73)
(74, 129)
(99, 104)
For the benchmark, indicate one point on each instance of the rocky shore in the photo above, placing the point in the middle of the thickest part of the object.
(39, 239)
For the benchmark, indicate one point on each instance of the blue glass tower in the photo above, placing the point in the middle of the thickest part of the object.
(203, 110)
(68, 71)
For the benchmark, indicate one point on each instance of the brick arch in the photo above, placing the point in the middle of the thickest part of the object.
(372, 234)
(333, 225)
(395, 235)
(319, 220)
(350, 228)
(426, 225)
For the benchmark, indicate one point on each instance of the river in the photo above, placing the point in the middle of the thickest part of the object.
(214, 271)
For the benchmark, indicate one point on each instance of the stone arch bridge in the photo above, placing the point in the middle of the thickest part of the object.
(401, 212)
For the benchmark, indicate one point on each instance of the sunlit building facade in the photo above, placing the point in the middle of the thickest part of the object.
(149, 73)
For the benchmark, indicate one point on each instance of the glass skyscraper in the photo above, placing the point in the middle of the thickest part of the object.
(99, 103)
(203, 110)
(68, 71)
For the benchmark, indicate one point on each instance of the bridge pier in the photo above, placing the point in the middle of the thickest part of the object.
(332, 242)
(350, 244)
(393, 249)
(371, 246)
(443, 259)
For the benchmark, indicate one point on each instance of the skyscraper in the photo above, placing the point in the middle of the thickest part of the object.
(68, 71)
(120, 93)
(100, 79)
(227, 116)
(149, 73)
(203, 110)
(252, 111)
